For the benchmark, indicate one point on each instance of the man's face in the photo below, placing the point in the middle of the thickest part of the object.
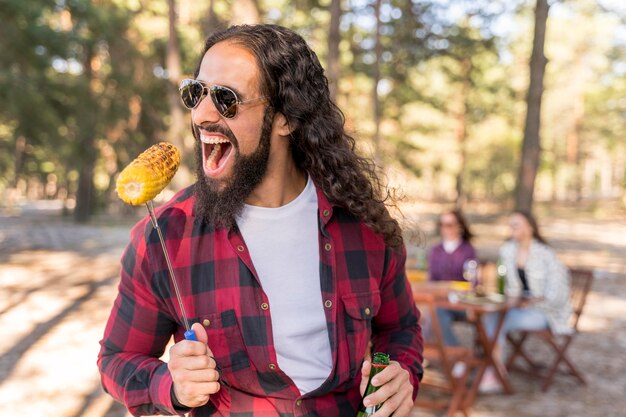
(232, 154)
(223, 140)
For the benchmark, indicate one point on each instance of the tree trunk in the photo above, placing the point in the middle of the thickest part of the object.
(212, 23)
(20, 151)
(574, 145)
(178, 128)
(531, 146)
(466, 68)
(334, 38)
(245, 12)
(378, 50)
(85, 196)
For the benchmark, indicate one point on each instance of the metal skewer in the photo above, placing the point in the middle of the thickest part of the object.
(189, 334)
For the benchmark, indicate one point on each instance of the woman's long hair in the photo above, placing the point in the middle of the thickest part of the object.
(533, 225)
(466, 233)
(293, 80)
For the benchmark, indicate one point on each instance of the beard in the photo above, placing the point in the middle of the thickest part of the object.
(220, 206)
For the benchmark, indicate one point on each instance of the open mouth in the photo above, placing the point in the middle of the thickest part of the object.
(216, 151)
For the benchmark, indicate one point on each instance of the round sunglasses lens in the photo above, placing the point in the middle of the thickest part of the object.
(225, 101)
(191, 94)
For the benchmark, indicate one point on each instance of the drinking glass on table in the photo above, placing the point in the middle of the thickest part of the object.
(470, 272)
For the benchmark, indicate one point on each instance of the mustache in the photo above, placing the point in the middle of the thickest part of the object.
(216, 128)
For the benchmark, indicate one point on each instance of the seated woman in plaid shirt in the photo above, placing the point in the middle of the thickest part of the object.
(287, 259)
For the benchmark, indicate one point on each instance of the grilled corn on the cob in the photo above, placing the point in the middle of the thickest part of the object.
(148, 174)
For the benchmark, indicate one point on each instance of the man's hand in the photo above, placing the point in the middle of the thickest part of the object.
(395, 390)
(193, 370)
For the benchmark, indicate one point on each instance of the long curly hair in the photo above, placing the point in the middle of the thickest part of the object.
(293, 80)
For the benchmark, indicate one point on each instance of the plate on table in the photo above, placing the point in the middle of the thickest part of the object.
(482, 299)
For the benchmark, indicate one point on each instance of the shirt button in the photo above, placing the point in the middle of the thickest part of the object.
(264, 306)
(206, 322)
(326, 213)
(367, 311)
(328, 303)
(272, 366)
(240, 248)
(328, 247)
(299, 403)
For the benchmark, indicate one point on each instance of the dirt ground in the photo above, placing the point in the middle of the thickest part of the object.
(58, 280)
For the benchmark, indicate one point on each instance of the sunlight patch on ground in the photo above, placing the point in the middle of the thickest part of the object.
(38, 286)
(67, 373)
(612, 233)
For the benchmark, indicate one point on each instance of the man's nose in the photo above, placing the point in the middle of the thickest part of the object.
(206, 112)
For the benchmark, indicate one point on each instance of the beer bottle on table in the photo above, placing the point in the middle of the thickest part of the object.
(379, 362)
(501, 282)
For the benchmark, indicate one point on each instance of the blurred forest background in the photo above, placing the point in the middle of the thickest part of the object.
(439, 92)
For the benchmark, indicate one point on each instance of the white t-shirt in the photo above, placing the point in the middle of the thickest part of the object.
(284, 247)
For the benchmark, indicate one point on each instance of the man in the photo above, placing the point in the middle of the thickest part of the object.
(287, 259)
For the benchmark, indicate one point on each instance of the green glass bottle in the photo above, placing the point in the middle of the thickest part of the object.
(379, 362)
(501, 282)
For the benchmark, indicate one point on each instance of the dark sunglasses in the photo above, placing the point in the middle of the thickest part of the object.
(192, 92)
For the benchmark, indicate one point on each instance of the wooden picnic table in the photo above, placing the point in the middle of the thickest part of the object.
(458, 296)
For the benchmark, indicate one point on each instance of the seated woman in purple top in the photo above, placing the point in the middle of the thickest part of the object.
(445, 263)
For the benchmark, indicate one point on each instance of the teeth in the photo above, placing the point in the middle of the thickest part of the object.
(212, 140)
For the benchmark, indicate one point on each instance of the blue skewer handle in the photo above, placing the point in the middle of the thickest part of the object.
(191, 335)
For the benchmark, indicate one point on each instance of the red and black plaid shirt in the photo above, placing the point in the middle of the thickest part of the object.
(364, 288)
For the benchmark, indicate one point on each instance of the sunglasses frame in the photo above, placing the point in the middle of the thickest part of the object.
(210, 90)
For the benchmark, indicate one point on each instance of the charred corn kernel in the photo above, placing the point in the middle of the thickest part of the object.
(146, 176)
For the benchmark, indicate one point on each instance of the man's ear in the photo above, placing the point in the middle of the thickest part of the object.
(281, 125)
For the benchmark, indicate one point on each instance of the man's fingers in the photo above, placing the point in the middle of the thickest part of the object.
(198, 375)
(188, 348)
(394, 390)
(388, 380)
(398, 405)
(193, 387)
(382, 394)
(196, 394)
(193, 370)
(196, 362)
(387, 374)
(366, 368)
(200, 332)
(205, 388)
(193, 348)
(365, 374)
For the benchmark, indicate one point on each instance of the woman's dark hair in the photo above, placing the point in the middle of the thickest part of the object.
(533, 225)
(293, 80)
(466, 233)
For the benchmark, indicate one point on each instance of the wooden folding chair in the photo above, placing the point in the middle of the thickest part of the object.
(581, 281)
(439, 360)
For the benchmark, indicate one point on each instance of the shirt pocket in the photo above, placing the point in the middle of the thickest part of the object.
(226, 342)
(359, 308)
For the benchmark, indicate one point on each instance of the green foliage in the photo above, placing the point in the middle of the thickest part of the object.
(83, 85)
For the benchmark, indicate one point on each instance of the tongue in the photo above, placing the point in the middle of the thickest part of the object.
(215, 156)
